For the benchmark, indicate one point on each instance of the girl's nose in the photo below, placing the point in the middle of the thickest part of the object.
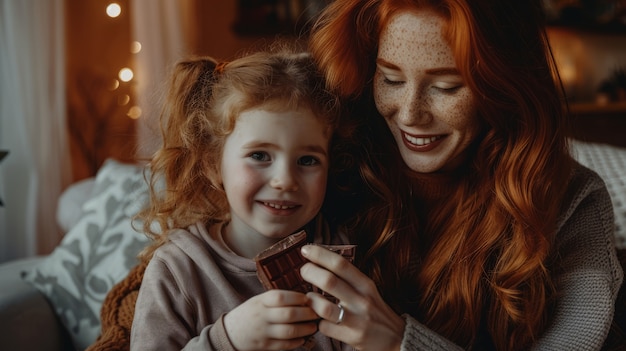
(284, 179)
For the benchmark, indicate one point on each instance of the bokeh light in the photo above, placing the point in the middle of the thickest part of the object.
(134, 112)
(135, 47)
(126, 74)
(114, 10)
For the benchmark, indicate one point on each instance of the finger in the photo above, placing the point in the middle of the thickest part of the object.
(291, 314)
(339, 266)
(291, 331)
(329, 260)
(329, 312)
(327, 281)
(326, 309)
(280, 298)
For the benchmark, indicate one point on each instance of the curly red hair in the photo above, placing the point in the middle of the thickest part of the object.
(200, 110)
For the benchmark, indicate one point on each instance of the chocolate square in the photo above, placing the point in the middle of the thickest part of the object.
(278, 267)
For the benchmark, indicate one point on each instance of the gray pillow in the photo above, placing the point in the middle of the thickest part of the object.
(96, 253)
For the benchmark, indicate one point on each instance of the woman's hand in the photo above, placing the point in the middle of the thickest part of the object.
(368, 323)
(274, 320)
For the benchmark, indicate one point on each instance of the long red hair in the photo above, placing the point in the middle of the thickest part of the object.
(482, 260)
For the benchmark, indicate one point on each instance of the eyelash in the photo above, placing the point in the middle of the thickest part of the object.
(314, 160)
(444, 90)
(449, 90)
(304, 160)
(259, 156)
(393, 82)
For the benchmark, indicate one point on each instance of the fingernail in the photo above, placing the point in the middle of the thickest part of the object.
(305, 250)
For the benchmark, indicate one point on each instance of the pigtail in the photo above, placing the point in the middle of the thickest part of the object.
(189, 81)
(179, 179)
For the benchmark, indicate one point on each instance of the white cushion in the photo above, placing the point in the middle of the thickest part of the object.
(71, 201)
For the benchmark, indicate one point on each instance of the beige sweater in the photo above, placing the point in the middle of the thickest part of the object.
(189, 285)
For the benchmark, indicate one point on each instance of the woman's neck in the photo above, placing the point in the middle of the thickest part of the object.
(430, 187)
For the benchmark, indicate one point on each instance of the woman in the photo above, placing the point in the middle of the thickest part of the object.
(480, 231)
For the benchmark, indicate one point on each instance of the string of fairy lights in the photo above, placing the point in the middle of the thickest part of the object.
(125, 74)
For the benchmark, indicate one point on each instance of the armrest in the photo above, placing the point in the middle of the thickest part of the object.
(27, 320)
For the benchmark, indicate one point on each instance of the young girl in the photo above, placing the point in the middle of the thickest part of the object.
(244, 162)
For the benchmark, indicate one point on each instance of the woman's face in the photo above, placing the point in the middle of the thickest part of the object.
(430, 110)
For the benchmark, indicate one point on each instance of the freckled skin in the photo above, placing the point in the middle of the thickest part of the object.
(429, 109)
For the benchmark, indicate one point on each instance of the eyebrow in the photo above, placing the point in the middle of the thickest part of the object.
(310, 148)
(316, 149)
(444, 71)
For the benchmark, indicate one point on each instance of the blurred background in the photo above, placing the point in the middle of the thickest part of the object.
(80, 82)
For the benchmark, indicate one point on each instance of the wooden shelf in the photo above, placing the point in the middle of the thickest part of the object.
(601, 29)
(592, 108)
(597, 123)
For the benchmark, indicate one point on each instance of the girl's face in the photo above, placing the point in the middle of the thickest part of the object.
(418, 89)
(274, 171)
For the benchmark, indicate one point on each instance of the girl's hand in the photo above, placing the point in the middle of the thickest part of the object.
(368, 323)
(274, 320)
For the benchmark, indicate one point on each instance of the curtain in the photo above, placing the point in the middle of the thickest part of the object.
(163, 28)
(32, 125)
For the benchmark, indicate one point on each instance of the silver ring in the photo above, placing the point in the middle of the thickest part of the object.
(341, 313)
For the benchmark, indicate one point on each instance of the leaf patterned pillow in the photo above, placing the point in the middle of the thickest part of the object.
(96, 253)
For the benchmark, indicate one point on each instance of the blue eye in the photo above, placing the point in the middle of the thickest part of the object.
(260, 156)
(308, 161)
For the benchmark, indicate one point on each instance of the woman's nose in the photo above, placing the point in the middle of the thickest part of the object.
(415, 109)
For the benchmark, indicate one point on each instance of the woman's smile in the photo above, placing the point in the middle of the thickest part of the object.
(422, 143)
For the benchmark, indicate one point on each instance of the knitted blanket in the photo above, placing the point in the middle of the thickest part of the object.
(117, 313)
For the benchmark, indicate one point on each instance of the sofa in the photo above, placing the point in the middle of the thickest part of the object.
(53, 302)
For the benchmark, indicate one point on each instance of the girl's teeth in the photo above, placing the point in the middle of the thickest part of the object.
(278, 207)
(421, 141)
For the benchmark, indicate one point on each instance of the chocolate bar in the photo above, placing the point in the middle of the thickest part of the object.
(278, 267)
